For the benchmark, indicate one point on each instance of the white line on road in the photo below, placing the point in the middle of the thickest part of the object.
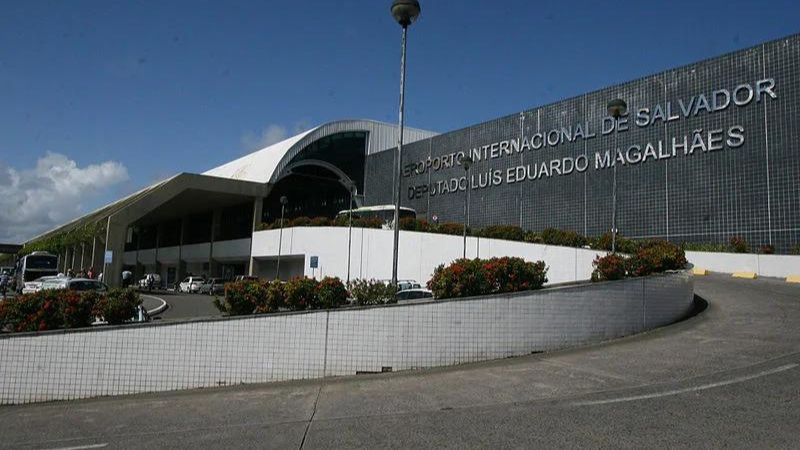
(702, 387)
(160, 308)
(81, 447)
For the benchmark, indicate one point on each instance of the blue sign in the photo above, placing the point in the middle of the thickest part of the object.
(314, 262)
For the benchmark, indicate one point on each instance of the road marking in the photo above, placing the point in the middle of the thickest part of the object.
(81, 447)
(158, 309)
(702, 387)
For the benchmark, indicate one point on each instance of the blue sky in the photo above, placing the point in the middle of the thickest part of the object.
(155, 88)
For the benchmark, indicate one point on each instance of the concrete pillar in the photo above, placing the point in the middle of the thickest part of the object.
(83, 254)
(216, 220)
(258, 204)
(115, 242)
(181, 269)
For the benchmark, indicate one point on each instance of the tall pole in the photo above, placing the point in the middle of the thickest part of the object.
(349, 231)
(616, 109)
(280, 240)
(466, 162)
(614, 196)
(398, 167)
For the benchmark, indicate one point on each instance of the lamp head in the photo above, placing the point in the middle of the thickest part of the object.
(617, 108)
(284, 200)
(466, 162)
(405, 12)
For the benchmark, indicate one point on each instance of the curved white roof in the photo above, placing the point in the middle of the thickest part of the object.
(259, 165)
(265, 165)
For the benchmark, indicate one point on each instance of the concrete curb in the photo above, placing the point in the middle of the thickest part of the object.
(159, 309)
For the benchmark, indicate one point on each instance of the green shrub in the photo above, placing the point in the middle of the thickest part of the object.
(301, 221)
(368, 222)
(320, 222)
(624, 245)
(271, 297)
(566, 238)
(795, 250)
(242, 298)
(739, 245)
(767, 249)
(658, 256)
(470, 277)
(412, 224)
(507, 232)
(331, 293)
(449, 228)
(609, 267)
(301, 294)
(119, 306)
(704, 247)
(533, 237)
(371, 292)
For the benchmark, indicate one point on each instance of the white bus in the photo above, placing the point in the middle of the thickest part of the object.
(33, 266)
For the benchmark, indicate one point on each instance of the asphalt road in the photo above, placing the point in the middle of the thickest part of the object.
(729, 377)
(186, 306)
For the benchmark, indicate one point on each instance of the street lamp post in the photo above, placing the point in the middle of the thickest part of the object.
(405, 12)
(466, 163)
(352, 188)
(284, 201)
(616, 109)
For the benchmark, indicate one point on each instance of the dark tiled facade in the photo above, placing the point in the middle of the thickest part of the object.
(724, 188)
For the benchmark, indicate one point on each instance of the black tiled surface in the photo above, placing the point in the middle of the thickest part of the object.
(751, 191)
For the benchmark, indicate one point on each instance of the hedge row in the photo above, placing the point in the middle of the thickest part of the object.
(298, 294)
(53, 309)
(656, 256)
(549, 236)
(470, 277)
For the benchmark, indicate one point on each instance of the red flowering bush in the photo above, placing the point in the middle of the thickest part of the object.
(301, 293)
(301, 221)
(243, 297)
(320, 222)
(767, 249)
(331, 293)
(656, 256)
(49, 309)
(609, 267)
(412, 224)
(470, 277)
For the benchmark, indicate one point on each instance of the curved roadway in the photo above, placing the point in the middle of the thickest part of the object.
(727, 377)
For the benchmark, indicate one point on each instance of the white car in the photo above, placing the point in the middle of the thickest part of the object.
(75, 284)
(414, 294)
(36, 285)
(144, 283)
(190, 284)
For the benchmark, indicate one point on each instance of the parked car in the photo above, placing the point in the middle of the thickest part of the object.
(414, 294)
(74, 284)
(245, 278)
(212, 286)
(190, 284)
(144, 283)
(36, 285)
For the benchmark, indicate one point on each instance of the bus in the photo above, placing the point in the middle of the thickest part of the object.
(383, 212)
(33, 266)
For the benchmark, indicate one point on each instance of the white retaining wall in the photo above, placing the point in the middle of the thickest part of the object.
(764, 265)
(420, 253)
(161, 357)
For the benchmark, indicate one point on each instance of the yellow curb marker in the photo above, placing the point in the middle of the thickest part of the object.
(793, 279)
(747, 275)
(699, 271)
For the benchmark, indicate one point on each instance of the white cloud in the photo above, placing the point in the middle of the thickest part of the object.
(55, 191)
(271, 134)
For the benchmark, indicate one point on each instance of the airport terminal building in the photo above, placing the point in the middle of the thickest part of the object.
(705, 152)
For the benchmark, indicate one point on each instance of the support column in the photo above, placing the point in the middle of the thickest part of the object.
(216, 220)
(115, 242)
(83, 253)
(181, 269)
(258, 205)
